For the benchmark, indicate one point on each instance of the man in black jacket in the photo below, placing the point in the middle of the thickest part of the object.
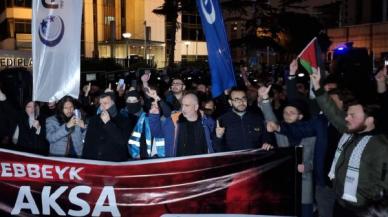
(240, 129)
(107, 133)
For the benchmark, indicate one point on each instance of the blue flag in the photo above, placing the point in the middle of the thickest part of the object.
(220, 60)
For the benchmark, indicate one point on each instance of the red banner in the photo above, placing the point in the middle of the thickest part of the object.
(245, 182)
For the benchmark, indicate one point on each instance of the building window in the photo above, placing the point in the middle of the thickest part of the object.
(191, 27)
(20, 3)
(23, 26)
(2, 6)
(123, 16)
(109, 20)
(4, 30)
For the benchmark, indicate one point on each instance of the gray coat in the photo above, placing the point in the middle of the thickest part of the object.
(56, 134)
(308, 154)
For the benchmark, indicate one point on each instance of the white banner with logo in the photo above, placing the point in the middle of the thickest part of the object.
(56, 41)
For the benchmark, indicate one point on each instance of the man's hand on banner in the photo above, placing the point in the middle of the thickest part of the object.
(301, 168)
(315, 78)
(266, 146)
(105, 117)
(219, 130)
(272, 127)
(293, 67)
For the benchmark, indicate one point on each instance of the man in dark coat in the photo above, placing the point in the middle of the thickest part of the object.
(239, 128)
(107, 133)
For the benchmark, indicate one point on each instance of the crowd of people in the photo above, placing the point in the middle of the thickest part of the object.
(344, 140)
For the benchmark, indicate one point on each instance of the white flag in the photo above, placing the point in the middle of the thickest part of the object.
(56, 41)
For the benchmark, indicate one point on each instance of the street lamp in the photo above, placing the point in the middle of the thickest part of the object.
(187, 43)
(127, 35)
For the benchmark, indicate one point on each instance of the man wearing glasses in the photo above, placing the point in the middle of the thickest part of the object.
(174, 97)
(240, 129)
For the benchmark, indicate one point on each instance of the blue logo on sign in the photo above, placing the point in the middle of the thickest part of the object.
(51, 30)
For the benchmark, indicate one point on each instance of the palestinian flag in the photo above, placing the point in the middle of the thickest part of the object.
(310, 56)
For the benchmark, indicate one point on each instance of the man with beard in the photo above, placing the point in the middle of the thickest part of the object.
(108, 133)
(359, 167)
(240, 129)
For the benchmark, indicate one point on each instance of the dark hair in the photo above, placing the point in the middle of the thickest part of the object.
(331, 79)
(300, 105)
(61, 104)
(235, 89)
(370, 110)
(108, 94)
(344, 95)
(177, 78)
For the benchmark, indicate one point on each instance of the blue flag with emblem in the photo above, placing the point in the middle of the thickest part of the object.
(220, 60)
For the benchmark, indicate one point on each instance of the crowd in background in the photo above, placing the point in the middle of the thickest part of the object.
(344, 139)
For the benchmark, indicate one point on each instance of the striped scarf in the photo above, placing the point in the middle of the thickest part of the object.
(157, 147)
(352, 173)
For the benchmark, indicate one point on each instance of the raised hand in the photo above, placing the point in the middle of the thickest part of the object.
(121, 89)
(263, 91)
(87, 89)
(315, 78)
(380, 80)
(152, 94)
(109, 89)
(293, 67)
(381, 75)
(219, 130)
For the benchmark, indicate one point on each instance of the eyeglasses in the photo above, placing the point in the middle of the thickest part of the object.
(244, 99)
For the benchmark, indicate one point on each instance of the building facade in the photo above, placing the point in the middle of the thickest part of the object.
(365, 24)
(103, 25)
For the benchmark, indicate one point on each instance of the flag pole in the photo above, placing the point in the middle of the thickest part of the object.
(300, 54)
